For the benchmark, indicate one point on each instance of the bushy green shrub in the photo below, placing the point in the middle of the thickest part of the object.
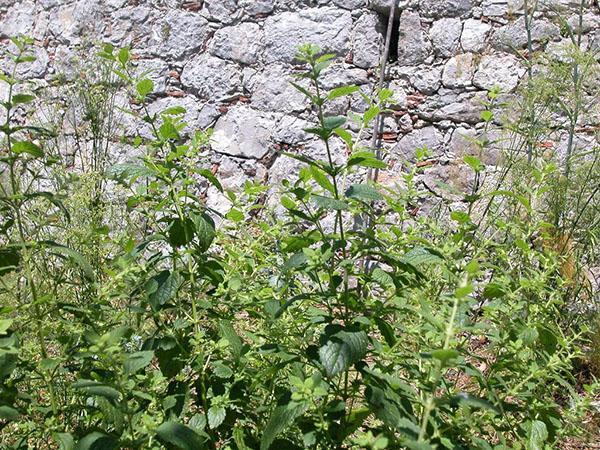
(344, 321)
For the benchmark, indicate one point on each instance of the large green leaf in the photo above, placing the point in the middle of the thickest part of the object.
(181, 232)
(27, 147)
(365, 159)
(9, 260)
(127, 173)
(216, 416)
(162, 288)
(180, 436)
(97, 441)
(228, 333)
(421, 256)
(282, 417)
(205, 230)
(363, 192)
(137, 361)
(343, 349)
(73, 255)
(329, 203)
(98, 388)
(8, 413)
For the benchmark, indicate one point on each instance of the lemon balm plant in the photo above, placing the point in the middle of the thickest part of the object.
(295, 328)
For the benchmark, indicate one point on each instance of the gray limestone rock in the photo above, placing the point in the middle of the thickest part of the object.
(256, 7)
(501, 7)
(350, 4)
(367, 40)
(211, 77)
(178, 34)
(224, 11)
(456, 107)
(474, 35)
(413, 46)
(243, 132)
(427, 80)
(514, 34)
(445, 35)
(271, 90)
(329, 28)
(240, 43)
(445, 8)
(429, 137)
(458, 71)
(503, 71)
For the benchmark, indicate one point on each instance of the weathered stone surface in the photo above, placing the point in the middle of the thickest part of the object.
(225, 11)
(350, 4)
(429, 137)
(458, 71)
(463, 142)
(427, 80)
(447, 8)
(178, 34)
(474, 35)
(271, 90)
(130, 26)
(501, 7)
(445, 34)
(198, 115)
(211, 77)
(514, 34)
(241, 43)
(456, 107)
(383, 6)
(502, 71)
(338, 75)
(329, 28)
(413, 46)
(367, 40)
(255, 7)
(290, 130)
(243, 132)
(156, 70)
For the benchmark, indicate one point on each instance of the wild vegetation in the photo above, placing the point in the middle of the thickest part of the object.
(134, 316)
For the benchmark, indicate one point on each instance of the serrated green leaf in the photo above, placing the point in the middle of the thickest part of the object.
(97, 441)
(228, 333)
(127, 173)
(92, 387)
(343, 349)
(363, 192)
(282, 417)
(74, 256)
(332, 122)
(321, 178)
(342, 91)
(365, 159)
(329, 203)
(205, 230)
(137, 361)
(144, 87)
(30, 148)
(216, 416)
(18, 99)
(64, 440)
(422, 256)
(181, 232)
(180, 436)
(8, 413)
(163, 288)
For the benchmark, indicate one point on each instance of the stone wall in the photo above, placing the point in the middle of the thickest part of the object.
(229, 62)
